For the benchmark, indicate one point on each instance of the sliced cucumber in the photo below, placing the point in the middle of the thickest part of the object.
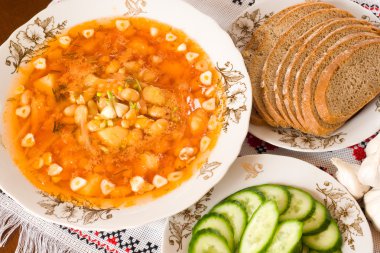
(208, 241)
(301, 205)
(327, 240)
(277, 193)
(298, 248)
(219, 223)
(235, 213)
(318, 221)
(287, 237)
(260, 228)
(249, 198)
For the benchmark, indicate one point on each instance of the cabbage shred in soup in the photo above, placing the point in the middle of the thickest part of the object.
(114, 110)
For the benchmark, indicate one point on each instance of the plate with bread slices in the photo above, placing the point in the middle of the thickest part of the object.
(315, 72)
(261, 207)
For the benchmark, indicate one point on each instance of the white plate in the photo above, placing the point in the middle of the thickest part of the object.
(236, 114)
(362, 126)
(261, 169)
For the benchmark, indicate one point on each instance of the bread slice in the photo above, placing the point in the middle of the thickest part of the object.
(280, 49)
(350, 82)
(280, 73)
(315, 125)
(255, 45)
(304, 63)
(291, 62)
(263, 39)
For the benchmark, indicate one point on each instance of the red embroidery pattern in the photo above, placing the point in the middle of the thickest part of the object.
(359, 149)
(359, 152)
(259, 145)
(96, 241)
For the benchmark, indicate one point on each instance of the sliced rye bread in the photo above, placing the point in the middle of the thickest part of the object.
(304, 62)
(282, 46)
(255, 45)
(279, 78)
(292, 61)
(307, 64)
(260, 45)
(315, 125)
(350, 82)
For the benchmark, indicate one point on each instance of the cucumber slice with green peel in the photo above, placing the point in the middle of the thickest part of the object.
(318, 221)
(328, 240)
(277, 193)
(287, 237)
(235, 214)
(260, 229)
(298, 248)
(208, 241)
(301, 205)
(219, 223)
(249, 198)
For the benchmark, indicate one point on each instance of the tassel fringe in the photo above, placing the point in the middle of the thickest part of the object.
(31, 239)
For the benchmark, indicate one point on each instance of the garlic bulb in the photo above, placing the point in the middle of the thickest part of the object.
(347, 175)
(369, 172)
(372, 207)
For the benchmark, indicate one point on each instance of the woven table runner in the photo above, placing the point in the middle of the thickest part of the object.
(40, 236)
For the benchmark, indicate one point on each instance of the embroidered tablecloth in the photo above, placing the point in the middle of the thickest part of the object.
(40, 236)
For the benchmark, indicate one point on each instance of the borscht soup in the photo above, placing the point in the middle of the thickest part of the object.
(114, 111)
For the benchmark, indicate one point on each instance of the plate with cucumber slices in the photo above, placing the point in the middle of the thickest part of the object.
(273, 204)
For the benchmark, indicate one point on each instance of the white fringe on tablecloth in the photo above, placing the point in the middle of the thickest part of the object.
(31, 239)
(36, 235)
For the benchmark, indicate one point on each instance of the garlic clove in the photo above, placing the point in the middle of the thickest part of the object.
(182, 47)
(159, 181)
(122, 24)
(108, 112)
(369, 172)
(28, 141)
(40, 63)
(54, 170)
(137, 183)
(186, 153)
(64, 41)
(206, 78)
(205, 143)
(373, 145)
(347, 175)
(107, 186)
(88, 33)
(372, 207)
(153, 31)
(23, 111)
(77, 183)
(209, 105)
(170, 37)
(191, 56)
(121, 109)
